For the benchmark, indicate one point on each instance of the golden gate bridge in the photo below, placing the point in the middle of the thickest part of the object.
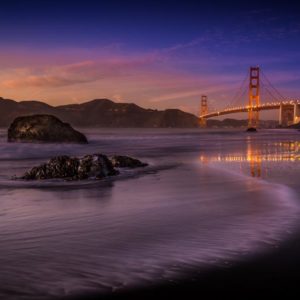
(289, 109)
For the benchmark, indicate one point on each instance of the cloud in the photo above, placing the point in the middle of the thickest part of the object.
(78, 73)
(40, 81)
(184, 94)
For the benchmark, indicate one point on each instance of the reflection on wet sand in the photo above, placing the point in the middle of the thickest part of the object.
(255, 155)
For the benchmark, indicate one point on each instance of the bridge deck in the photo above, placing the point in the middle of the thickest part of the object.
(267, 106)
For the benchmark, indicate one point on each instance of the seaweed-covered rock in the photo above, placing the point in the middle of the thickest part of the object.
(43, 128)
(72, 168)
(56, 167)
(122, 161)
(96, 165)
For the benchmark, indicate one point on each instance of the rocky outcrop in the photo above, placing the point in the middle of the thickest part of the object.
(95, 166)
(295, 126)
(122, 161)
(43, 128)
(251, 129)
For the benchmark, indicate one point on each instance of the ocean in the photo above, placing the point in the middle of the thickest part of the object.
(208, 199)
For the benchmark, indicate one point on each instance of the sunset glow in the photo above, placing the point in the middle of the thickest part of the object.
(158, 62)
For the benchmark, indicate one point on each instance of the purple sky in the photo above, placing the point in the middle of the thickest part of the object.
(158, 54)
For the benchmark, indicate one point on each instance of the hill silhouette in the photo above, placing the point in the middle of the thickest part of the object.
(99, 113)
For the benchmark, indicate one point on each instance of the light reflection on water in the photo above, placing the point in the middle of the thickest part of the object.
(255, 156)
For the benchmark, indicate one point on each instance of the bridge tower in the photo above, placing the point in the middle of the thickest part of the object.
(286, 114)
(203, 110)
(253, 113)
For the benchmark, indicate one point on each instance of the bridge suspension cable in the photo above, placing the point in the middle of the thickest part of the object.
(240, 92)
(267, 94)
(279, 95)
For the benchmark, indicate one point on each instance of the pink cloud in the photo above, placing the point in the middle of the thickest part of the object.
(77, 73)
(40, 81)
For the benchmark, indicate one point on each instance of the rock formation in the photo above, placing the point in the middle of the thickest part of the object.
(72, 168)
(96, 166)
(122, 161)
(43, 128)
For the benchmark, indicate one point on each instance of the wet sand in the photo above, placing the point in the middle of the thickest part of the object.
(275, 274)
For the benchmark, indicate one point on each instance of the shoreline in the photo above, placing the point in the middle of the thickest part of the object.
(271, 274)
(255, 272)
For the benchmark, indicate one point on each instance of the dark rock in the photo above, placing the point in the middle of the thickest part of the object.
(97, 165)
(295, 126)
(72, 168)
(251, 129)
(43, 128)
(122, 161)
(56, 167)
